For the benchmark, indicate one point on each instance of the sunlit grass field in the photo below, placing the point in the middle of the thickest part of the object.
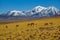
(38, 29)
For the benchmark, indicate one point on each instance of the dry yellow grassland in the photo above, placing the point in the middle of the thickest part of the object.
(41, 29)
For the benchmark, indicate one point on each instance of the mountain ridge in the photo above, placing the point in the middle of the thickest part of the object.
(36, 12)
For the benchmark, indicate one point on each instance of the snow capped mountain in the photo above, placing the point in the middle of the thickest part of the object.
(15, 13)
(35, 10)
(45, 12)
(38, 9)
(38, 12)
(54, 10)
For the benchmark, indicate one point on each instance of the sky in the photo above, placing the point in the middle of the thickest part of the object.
(24, 5)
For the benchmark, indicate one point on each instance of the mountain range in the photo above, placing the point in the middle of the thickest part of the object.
(36, 12)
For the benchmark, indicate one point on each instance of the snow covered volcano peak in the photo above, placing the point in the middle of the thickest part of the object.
(53, 8)
(15, 13)
(39, 8)
(14, 10)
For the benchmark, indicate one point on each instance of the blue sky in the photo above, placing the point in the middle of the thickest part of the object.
(24, 5)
